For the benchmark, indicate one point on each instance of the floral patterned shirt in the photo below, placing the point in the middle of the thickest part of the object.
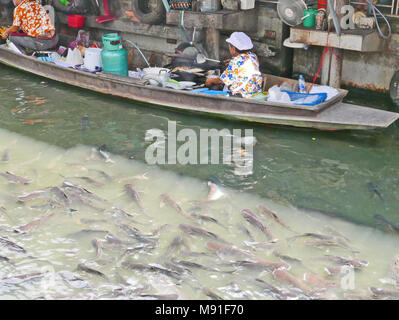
(243, 75)
(32, 19)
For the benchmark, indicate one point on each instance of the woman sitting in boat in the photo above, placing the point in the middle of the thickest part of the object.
(242, 77)
(32, 19)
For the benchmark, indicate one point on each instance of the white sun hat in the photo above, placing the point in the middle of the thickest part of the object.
(240, 40)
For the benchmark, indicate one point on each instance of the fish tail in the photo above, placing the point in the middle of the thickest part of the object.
(268, 234)
(290, 240)
(143, 211)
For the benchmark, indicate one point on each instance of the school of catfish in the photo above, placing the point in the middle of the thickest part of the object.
(202, 245)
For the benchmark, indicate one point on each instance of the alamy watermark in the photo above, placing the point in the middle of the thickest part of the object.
(237, 150)
(347, 20)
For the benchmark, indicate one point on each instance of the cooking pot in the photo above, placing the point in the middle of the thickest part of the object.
(181, 60)
(181, 75)
(155, 70)
(160, 75)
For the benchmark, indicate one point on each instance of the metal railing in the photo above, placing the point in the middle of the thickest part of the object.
(394, 8)
(389, 10)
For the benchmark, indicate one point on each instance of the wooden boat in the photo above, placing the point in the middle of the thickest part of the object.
(330, 115)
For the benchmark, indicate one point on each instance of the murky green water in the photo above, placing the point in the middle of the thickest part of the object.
(325, 171)
(297, 173)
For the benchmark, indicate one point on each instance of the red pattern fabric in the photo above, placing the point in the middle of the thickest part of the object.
(32, 19)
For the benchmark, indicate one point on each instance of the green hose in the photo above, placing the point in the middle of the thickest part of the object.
(182, 26)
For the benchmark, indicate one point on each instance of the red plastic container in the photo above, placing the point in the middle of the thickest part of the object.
(321, 4)
(76, 21)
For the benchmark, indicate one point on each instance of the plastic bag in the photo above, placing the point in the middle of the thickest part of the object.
(286, 86)
(13, 47)
(83, 38)
(74, 57)
(275, 95)
(331, 92)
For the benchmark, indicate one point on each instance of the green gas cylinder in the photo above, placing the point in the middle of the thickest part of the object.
(113, 55)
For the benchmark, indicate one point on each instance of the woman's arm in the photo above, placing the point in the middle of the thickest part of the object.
(210, 82)
(9, 30)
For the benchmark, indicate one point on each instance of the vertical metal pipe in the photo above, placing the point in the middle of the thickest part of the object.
(325, 69)
(212, 42)
(334, 16)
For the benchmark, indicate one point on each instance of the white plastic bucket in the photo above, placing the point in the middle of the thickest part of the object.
(247, 4)
(92, 58)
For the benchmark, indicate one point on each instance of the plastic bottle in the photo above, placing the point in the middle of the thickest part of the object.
(301, 84)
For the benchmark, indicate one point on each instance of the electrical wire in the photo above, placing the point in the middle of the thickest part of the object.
(326, 50)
